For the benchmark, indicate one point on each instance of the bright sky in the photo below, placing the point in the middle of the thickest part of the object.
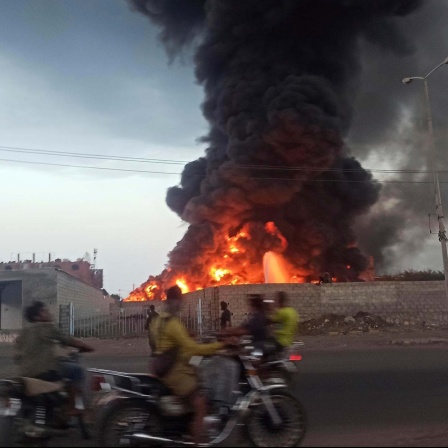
(90, 77)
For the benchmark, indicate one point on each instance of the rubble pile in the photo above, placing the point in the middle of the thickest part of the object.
(338, 324)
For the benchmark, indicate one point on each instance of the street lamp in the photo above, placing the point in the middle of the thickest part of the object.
(435, 175)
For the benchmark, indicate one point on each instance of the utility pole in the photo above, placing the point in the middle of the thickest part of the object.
(432, 165)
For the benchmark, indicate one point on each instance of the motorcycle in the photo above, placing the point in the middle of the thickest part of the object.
(32, 411)
(279, 366)
(137, 409)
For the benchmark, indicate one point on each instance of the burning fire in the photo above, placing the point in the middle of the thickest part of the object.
(230, 267)
(232, 264)
(150, 289)
(218, 274)
(182, 285)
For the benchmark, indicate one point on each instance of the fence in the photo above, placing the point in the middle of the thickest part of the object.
(123, 323)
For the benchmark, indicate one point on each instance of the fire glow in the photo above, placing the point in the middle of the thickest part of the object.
(277, 185)
(232, 265)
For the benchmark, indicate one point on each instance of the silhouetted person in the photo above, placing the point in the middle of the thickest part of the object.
(225, 320)
(326, 278)
(150, 315)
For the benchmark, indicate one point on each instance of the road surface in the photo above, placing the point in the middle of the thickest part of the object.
(376, 396)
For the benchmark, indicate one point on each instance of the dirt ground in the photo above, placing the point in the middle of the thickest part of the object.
(374, 338)
(394, 336)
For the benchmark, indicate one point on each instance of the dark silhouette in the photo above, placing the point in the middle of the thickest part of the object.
(150, 315)
(226, 319)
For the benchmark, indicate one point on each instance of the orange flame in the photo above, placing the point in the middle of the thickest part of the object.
(182, 285)
(232, 266)
(218, 273)
(233, 242)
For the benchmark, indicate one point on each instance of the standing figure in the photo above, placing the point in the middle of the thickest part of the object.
(225, 320)
(152, 313)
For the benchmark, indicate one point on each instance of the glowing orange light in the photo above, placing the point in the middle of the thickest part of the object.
(182, 285)
(233, 249)
(218, 273)
(233, 262)
(297, 279)
(271, 228)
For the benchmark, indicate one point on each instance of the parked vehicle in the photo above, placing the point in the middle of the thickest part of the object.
(137, 409)
(32, 411)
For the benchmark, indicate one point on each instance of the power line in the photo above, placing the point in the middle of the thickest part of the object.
(88, 156)
(236, 177)
(88, 167)
(15, 149)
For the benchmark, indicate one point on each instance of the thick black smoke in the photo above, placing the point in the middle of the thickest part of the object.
(390, 124)
(280, 79)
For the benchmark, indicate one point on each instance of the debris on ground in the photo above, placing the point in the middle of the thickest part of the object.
(432, 341)
(334, 324)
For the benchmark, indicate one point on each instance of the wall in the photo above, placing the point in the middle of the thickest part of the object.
(86, 299)
(397, 302)
(81, 269)
(56, 288)
(10, 305)
(37, 284)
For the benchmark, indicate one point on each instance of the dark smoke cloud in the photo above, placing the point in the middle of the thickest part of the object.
(180, 20)
(281, 78)
(396, 230)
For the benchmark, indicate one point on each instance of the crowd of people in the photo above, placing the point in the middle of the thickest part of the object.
(272, 326)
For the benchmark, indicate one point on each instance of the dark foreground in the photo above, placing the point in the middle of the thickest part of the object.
(375, 396)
